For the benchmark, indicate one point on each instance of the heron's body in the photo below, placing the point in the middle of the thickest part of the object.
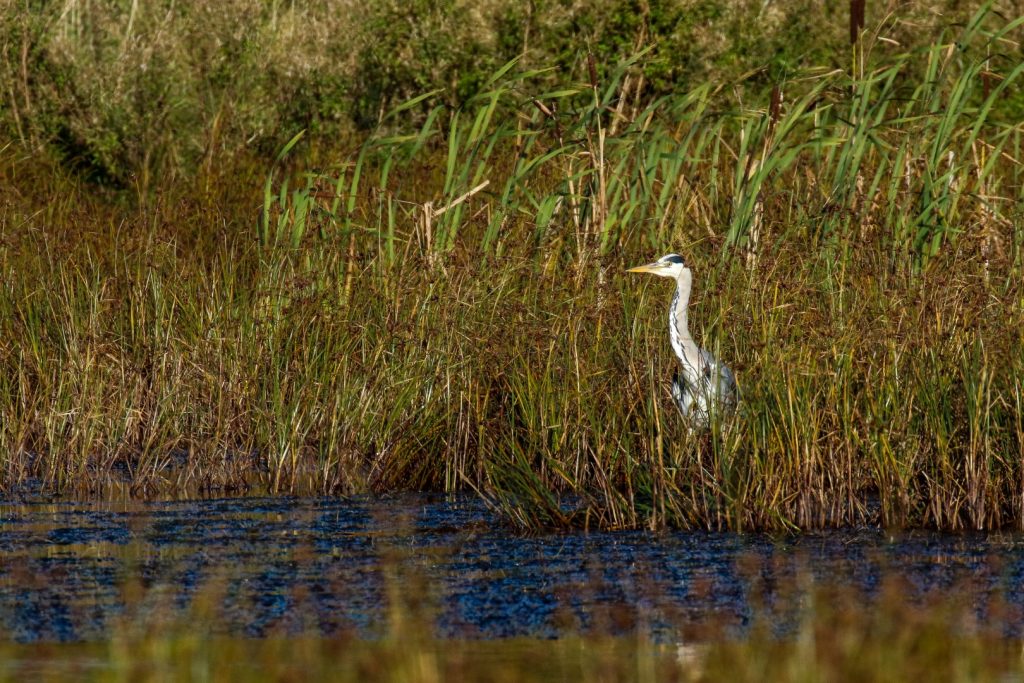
(703, 385)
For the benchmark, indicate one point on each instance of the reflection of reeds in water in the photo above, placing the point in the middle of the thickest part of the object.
(798, 629)
(447, 311)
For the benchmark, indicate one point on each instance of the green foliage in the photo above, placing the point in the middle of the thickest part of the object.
(411, 47)
(128, 92)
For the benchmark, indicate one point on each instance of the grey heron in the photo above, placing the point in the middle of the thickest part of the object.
(705, 386)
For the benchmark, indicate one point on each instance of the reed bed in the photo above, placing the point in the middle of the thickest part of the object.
(446, 309)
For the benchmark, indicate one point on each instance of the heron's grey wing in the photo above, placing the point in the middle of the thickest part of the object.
(728, 389)
(720, 379)
(682, 394)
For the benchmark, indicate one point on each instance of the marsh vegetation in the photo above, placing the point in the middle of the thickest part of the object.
(439, 303)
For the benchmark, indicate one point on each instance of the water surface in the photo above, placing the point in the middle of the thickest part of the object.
(271, 565)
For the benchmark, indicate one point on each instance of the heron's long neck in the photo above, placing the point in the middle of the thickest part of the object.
(679, 328)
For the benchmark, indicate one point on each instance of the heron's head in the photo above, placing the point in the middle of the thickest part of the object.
(670, 265)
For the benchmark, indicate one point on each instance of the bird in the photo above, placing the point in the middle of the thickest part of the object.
(705, 386)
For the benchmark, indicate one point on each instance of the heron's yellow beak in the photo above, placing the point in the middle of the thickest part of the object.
(647, 268)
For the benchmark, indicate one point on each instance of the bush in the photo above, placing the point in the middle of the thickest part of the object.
(126, 92)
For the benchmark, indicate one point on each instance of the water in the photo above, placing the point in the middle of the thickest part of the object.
(69, 570)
